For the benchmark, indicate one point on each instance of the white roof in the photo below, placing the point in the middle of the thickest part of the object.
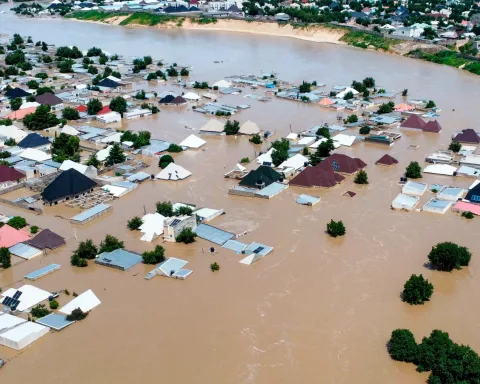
(208, 213)
(474, 184)
(29, 104)
(296, 162)
(318, 142)
(152, 226)
(345, 140)
(69, 164)
(191, 96)
(35, 155)
(86, 302)
(11, 131)
(110, 117)
(440, 169)
(23, 335)
(30, 296)
(116, 79)
(305, 141)
(193, 141)
(472, 159)
(222, 84)
(249, 128)
(292, 136)
(213, 126)
(115, 190)
(68, 130)
(239, 167)
(103, 154)
(8, 321)
(265, 157)
(345, 91)
(115, 138)
(173, 172)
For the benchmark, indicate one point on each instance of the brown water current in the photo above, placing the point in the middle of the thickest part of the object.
(317, 309)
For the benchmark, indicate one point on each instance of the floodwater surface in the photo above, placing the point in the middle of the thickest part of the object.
(317, 309)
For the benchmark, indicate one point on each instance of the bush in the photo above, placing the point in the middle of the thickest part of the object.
(165, 160)
(40, 119)
(77, 315)
(186, 236)
(386, 108)
(214, 267)
(352, 119)
(53, 304)
(70, 113)
(5, 258)
(255, 139)
(165, 208)
(413, 171)
(361, 177)
(174, 148)
(39, 310)
(231, 128)
(76, 261)
(184, 72)
(154, 257)
(402, 346)
(116, 155)
(134, 223)
(94, 106)
(323, 131)
(455, 146)
(417, 290)
(364, 130)
(183, 211)
(279, 156)
(405, 92)
(110, 243)
(349, 95)
(33, 229)
(430, 104)
(244, 160)
(336, 228)
(17, 222)
(467, 215)
(86, 250)
(448, 256)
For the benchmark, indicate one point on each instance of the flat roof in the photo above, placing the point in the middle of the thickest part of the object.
(24, 251)
(172, 264)
(213, 234)
(42, 271)
(119, 258)
(23, 331)
(54, 321)
(85, 215)
(235, 246)
(8, 321)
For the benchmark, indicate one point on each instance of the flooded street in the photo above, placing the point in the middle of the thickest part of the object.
(316, 309)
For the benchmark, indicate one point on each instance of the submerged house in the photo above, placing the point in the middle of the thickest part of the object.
(261, 177)
(68, 184)
(174, 225)
(51, 100)
(468, 136)
(414, 122)
(342, 164)
(34, 140)
(386, 160)
(317, 177)
(9, 176)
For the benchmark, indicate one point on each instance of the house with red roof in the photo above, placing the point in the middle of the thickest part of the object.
(317, 177)
(82, 108)
(9, 176)
(342, 164)
(104, 110)
(432, 126)
(386, 160)
(414, 122)
(467, 136)
(10, 236)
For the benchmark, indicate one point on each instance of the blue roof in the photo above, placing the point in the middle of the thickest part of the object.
(33, 140)
(213, 234)
(140, 176)
(24, 250)
(42, 272)
(440, 204)
(235, 246)
(119, 259)
(54, 321)
(271, 190)
(52, 163)
(259, 249)
(90, 212)
(307, 200)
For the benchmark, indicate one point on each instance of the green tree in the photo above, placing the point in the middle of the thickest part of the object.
(53, 304)
(32, 84)
(468, 215)
(417, 290)
(70, 113)
(184, 72)
(39, 310)
(364, 130)
(429, 33)
(255, 139)
(94, 106)
(165, 208)
(348, 96)
(17, 222)
(66, 147)
(154, 257)
(183, 211)
(16, 103)
(86, 250)
(405, 92)
(172, 72)
(336, 228)
(93, 161)
(33, 229)
(186, 236)
(413, 171)
(214, 266)
(110, 244)
(430, 104)
(323, 131)
(448, 256)
(402, 346)
(15, 57)
(231, 127)
(352, 119)
(42, 90)
(41, 75)
(305, 87)
(94, 51)
(76, 261)
(5, 258)
(174, 148)
(147, 60)
(152, 76)
(279, 156)
(323, 150)
(134, 223)
(116, 155)
(6, 122)
(455, 146)
(118, 104)
(386, 108)
(65, 66)
(140, 95)
(369, 82)
(361, 177)
(164, 161)
(92, 70)
(76, 315)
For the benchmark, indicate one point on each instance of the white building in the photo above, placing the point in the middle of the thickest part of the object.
(110, 117)
(174, 225)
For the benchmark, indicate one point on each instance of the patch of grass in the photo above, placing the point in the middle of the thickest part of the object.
(203, 20)
(447, 57)
(364, 40)
(94, 15)
(148, 19)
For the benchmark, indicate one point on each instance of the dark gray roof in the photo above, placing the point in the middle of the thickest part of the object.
(33, 140)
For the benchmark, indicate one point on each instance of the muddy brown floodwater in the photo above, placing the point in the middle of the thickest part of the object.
(316, 309)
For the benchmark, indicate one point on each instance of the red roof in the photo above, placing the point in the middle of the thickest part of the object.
(467, 136)
(316, 177)
(432, 126)
(415, 122)
(342, 163)
(82, 108)
(10, 236)
(9, 174)
(104, 110)
(387, 160)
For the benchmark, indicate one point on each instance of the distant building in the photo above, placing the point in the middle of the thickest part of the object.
(174, 225)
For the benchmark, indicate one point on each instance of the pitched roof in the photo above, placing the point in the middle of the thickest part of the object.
(473, 194)
(342, 163)
(213, 126)
(10, 236)
(68, 183)
(317, 177)
(414, 121)
(467, 136)
(386, 160)
(48, 99)
(82, 108)
(263, 173)
(432, 126)
(33, 140)
(21, 113)
(9, 174)
(46, 239)
(249, 128)
(106, 109)
(108, 83)
(16, 92)
(167, 99)
(178, 100)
